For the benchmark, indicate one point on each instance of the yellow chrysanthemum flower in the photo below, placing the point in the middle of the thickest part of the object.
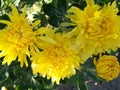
(57, 60)
(97, 29)
(18, 38)
(107, 67)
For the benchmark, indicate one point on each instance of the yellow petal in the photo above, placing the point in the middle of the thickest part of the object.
(14, 10)
(90, 2)
(24, 11)
(36, 23)
(47, 39)
(67, 24)
(5, 22)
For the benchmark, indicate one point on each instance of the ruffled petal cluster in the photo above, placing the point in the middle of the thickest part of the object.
(97, 28)
(57, 60)
(107, 67)
(52, 55)
(18, 38)
(57, 55)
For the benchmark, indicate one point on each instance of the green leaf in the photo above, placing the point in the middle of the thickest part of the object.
(35, 84)
(81, 85)
(77, 79)
(94, 75)
(3, 17)
(49, 9)
(78, 3)
(60, 4)
(72, 80)
(54, 21)
(30, 2)
(112, 52)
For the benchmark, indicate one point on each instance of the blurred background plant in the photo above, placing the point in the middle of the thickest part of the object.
(51, 13)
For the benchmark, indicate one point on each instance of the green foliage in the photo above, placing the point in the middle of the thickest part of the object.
(78, 80)
(16, 78)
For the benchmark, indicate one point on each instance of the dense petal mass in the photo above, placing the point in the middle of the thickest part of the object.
(107, 67)
(18, 38)
(97, 29)
(57, 60)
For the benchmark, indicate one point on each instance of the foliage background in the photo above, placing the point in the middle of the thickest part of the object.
(51, 13)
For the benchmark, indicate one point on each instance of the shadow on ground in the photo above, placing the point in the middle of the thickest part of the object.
(112, 85)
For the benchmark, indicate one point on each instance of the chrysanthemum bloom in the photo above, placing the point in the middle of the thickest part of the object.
(18, 38)
(97, 29)
(57, 60)
(107, 67)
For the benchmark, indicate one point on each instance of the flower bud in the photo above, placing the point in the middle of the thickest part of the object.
(107, 67)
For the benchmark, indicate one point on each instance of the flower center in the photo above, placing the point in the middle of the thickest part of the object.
(56, 52)
(100, 27)
(21, 35)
